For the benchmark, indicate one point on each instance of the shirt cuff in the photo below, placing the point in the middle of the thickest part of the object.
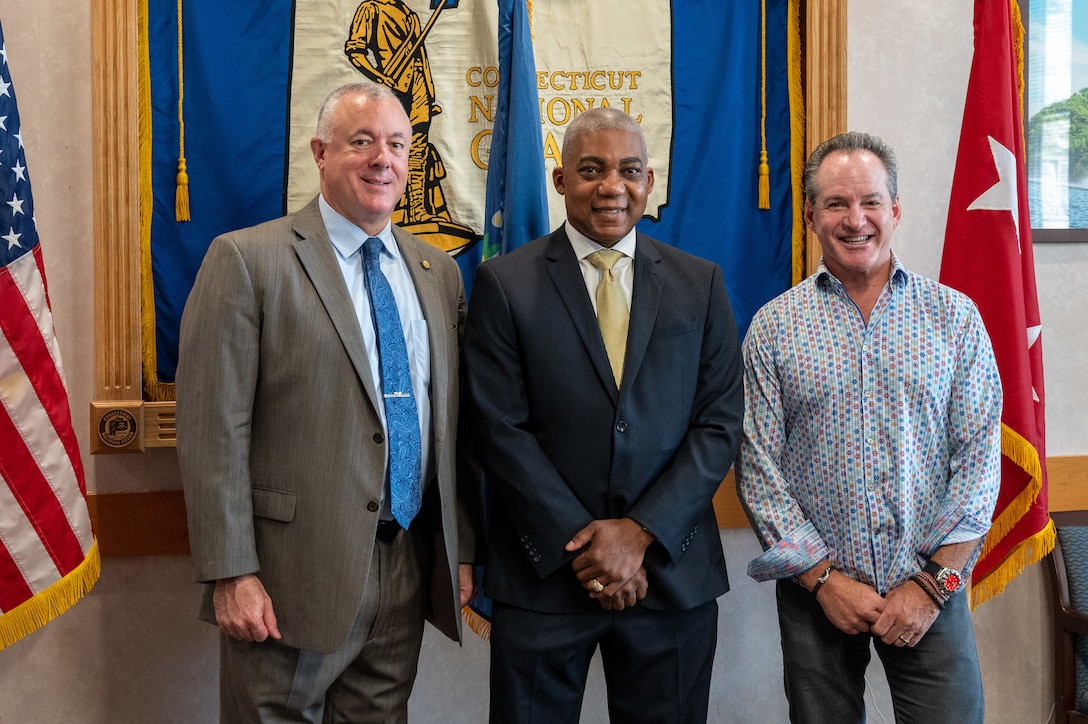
(791, 556)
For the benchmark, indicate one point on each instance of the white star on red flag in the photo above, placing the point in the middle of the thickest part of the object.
(1002, 196)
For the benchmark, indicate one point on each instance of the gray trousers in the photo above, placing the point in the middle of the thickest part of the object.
(368, 679)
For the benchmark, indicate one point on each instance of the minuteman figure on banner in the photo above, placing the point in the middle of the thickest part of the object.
(386, 46)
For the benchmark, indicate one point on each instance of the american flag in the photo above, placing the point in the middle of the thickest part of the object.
(48, 554)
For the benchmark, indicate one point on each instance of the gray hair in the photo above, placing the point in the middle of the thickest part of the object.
(602, 119)
(851, 142)
(367, 88)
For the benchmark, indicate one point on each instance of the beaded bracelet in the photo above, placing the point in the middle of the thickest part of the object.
(932, 594)
(934, 586)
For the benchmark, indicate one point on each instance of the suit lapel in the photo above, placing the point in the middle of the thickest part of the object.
(315, 253)
(645, 302)
(570, 284)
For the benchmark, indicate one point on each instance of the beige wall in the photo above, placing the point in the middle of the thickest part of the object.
(908, 65)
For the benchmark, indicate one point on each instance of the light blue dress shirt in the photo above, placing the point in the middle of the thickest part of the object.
(347, 240)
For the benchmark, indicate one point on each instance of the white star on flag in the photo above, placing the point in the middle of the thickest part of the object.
(12, 238)
(1033, 336)
(1002, 196)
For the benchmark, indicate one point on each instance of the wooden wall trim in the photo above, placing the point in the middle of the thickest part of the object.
(154, 523)
(116, 414)
(825, 86)
(116, 139)
(140, 524)
(1067, 489)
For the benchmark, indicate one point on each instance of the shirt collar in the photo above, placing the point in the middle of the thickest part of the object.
(898, 275)
(584, 246)
(346, 237)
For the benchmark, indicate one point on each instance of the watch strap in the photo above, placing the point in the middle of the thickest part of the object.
(822, 579)
(948, 580)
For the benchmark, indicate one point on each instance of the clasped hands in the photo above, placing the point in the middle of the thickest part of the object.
(901, 618)
(612, 557)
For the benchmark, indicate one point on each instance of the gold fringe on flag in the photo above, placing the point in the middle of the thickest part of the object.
(479, 625)
(764, 185)
(1017, 449)
(1028, 551)
(1018, 48)
(797, 136)
(32, 614)
(154, 390)
(1031, 550)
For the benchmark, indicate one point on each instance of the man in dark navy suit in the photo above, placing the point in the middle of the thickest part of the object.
(603, 377)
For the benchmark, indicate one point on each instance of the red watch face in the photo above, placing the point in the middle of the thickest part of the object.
(951, 581)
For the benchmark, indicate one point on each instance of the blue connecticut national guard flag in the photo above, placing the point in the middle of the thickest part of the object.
(48, 554)
(516, 208)
(241, 106)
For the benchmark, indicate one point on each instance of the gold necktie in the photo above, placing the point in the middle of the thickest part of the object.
(612, 312)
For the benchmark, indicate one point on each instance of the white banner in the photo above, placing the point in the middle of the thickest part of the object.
(443, 64)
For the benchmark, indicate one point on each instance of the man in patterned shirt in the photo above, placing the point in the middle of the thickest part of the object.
(870, 462)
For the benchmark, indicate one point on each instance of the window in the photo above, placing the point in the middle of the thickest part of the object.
(1056, 69)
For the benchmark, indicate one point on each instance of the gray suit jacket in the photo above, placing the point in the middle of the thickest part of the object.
(281, 447)
(562, 446)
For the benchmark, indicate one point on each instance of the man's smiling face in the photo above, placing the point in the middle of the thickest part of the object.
(364, 161)
(605, 181)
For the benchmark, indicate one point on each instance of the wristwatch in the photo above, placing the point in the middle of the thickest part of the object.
(949, 580)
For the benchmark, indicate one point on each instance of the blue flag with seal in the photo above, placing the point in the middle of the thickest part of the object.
(516, 210)
(516, 207)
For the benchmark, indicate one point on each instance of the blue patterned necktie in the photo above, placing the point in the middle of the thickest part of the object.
(401, 417)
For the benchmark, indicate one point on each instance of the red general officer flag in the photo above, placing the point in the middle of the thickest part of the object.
(988, 256)
(48, 555)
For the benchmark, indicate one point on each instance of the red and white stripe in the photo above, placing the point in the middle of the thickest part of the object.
(45, 528)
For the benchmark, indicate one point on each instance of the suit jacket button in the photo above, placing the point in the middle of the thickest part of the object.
(372, 506)
(379, 438)
(621, 426)
(536, 558)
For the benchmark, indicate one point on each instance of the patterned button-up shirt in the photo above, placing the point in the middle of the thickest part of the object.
(868, 444)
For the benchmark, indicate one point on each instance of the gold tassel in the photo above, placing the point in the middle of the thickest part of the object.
(764, 181)
(764, 185)
(181, 193)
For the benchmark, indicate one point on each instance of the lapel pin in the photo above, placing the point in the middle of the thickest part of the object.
(425, 264)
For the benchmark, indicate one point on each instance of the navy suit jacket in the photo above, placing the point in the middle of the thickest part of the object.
(562, 446)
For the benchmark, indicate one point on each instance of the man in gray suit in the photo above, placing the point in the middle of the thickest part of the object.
(607, 405)
(318, 575)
